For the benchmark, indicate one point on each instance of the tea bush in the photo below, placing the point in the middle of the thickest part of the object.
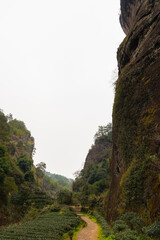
(103, 223)
(120, 226)
(49, 226)
(133, 221)
(153, 230)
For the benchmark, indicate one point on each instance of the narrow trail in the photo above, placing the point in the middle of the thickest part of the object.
(90, 232)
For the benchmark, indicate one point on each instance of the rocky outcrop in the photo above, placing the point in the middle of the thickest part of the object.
(135, 163)
(99, 151)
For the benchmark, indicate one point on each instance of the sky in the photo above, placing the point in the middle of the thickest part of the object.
(57, 68)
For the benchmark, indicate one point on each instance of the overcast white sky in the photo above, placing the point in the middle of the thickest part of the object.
(56, 63)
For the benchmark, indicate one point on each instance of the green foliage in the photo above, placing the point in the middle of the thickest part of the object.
(40, 199)
(26, 198)
(91, 185)
(4, 164)
(16, 173)
(55, 208)
(29, 176)
(103, 223)
(104, 131)
(19, 188)
(20, 199)
(153, 230)
(4, 129)
(93, 180)
(132, 182)
(62, 181)
(11, 149)
(24, 163)
(18, 127)
(6, 189)
(111, 237)
(129, 227)
(133, 221)
(49, 226)
(80, 197)
(10, 186)
(144, 237)
(5, 169)
(127, 235)
(64, 196)
(41, 167)
(120, 226)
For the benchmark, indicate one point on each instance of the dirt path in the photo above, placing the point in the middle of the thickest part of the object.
(90, 232)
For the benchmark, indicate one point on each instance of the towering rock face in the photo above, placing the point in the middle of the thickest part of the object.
(135, 163)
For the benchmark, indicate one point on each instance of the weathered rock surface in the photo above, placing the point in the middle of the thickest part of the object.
(99, 151)
(135, 163)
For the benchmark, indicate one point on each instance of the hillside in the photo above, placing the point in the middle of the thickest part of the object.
(61, 181)
(135, 162)
(92, 181)
(21, 183)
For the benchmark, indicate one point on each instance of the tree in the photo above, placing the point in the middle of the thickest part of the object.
(29, 176)
(41, 166)
(4, 128)
(24, 163)
(64, 197)
(9, 117)
(104, 131)
(77, 174)
(40, 169)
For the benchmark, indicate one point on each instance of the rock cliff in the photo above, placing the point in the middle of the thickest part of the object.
(135, 162)
(92, 181)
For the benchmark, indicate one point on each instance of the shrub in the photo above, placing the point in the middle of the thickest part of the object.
(84, 209)
(133, 221)
(4, 164)
(55, 208)
(152, 230)
(111, 237)
(64, 197)
(144, 237)
(120, 226)
(48, 226)
(103, 223)
(29, 176)
(24, 163)
(127, 235)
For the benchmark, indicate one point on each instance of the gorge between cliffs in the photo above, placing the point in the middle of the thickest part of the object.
(119, 184)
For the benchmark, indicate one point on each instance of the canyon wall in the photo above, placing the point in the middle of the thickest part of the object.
(135, 162)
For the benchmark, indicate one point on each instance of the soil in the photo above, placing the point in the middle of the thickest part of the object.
(90, 232)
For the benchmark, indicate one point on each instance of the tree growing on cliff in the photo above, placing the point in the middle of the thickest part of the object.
(40, 169)
(104, 131)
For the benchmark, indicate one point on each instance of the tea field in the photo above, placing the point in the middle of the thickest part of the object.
(49, 226)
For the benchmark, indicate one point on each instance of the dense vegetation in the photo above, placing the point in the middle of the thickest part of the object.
(92, 181)
(48, 226)
(128, 227)
(25, 188)
(20, 182)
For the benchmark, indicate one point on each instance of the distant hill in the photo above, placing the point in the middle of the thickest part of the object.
(62, 181)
